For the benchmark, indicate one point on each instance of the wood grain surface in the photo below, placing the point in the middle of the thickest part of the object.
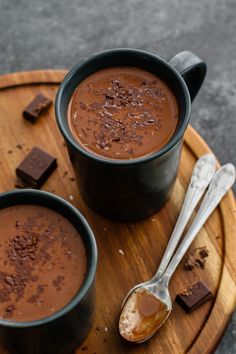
(128, 252)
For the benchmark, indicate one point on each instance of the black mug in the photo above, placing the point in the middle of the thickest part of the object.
(65, 330)
(131, 189)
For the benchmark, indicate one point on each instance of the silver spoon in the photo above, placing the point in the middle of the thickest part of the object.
(203, 173)
(148, 306)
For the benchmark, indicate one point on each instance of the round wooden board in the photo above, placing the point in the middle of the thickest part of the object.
(128, 252)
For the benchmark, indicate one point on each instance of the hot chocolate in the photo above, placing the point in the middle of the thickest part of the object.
(42, 262)
(123, 113)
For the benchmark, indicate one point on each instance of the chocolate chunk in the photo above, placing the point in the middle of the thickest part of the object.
(39, 105)
(36, 167)
(19, 146)
(194, 296)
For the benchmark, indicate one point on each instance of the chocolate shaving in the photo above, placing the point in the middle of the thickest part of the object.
(118, 96)
(9, 311)
(25, 250)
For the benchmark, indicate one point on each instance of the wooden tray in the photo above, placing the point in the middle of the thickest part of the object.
(128, 252)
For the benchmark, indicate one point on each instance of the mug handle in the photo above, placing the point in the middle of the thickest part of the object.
(191, 68)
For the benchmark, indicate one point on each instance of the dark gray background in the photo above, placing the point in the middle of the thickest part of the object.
(57, 34)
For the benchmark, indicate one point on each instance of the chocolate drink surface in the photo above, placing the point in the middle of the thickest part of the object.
(42, 262)
(123, 113)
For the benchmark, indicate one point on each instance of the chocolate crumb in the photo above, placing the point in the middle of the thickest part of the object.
(203, 253)
(187, 291)
(18, 223)
(58, 282)
(9, 311)
(10, 308)
(34, 278)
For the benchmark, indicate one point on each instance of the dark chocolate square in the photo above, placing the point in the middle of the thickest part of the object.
(194, 296)
(36, 167)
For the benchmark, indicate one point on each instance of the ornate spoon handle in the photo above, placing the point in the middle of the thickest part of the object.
(202, 174)
(221, 183)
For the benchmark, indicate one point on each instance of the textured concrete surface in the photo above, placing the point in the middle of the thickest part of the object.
(58, 33)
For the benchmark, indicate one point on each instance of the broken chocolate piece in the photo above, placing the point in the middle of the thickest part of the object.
(189, 263)
(194, 296)
(39, 105)
(203, 253)
(196, 258)
(36, 167)
(200, 262)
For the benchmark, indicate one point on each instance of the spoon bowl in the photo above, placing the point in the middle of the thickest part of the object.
(145, 311)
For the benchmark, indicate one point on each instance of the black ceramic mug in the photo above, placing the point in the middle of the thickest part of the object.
(131, 189)
(66, 329)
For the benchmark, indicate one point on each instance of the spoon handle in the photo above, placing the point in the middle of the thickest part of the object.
(221, 183)
(202, 174)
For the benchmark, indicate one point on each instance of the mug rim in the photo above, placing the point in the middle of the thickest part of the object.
(91, 271)
(120, 162)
